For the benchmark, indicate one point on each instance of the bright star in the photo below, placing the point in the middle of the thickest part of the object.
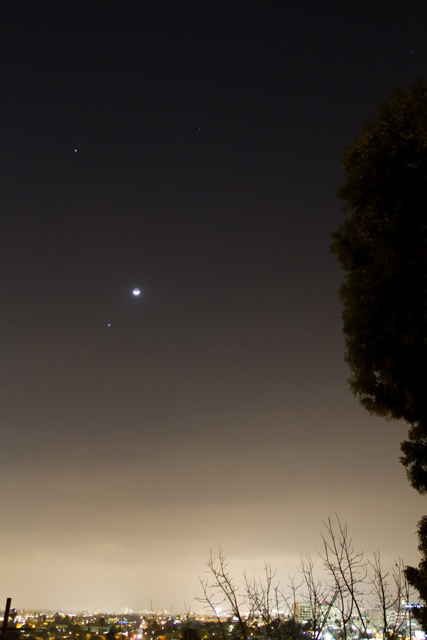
(136, 292)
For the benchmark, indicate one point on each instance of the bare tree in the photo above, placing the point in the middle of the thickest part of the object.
(390, 592)
(348, 571)
(318, 594)
(267, 602)
(293, 590)
(257, 606)
(220, 590)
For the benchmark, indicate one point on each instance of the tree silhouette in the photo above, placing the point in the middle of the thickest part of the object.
(382, 248)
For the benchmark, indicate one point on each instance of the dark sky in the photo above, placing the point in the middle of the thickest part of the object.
(191, 149)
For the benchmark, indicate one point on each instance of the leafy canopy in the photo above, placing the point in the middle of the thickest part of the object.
(382, 248)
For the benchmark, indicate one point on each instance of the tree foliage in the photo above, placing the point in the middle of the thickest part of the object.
(382, 248)
(417, 577)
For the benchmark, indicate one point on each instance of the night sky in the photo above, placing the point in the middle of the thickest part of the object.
(191, 149)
